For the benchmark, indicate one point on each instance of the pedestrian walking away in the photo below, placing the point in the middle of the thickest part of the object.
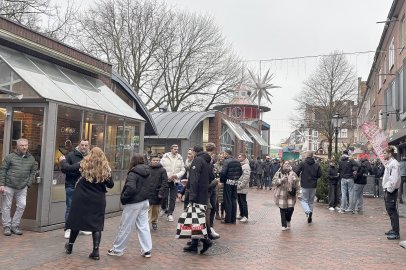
(287, 189)
(309, 172)
(390, 185)
(88, 204)
(134, 198)
(17, 174)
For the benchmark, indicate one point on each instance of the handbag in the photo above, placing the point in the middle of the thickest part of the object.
(192, 222)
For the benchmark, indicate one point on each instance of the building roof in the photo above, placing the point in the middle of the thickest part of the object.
(150, 127)
(177, 125)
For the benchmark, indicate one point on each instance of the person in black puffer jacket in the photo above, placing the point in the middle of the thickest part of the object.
(333, 178)
(134, 197)
(360, 180)
(158, 181)
(230, 174)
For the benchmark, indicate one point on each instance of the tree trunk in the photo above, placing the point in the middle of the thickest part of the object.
(330, 148)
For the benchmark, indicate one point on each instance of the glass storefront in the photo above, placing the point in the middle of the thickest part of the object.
(227, 140)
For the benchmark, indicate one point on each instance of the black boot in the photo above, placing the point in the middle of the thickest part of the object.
(68, 248)
(96, 242)
(206, 245)
(192, 247)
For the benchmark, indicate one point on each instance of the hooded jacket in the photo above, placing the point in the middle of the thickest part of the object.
(70, 167)
(136, 188)
(361, 175)
(199, 178)
(309, 172)
(333, 175)
(347, 167)
(158, 180)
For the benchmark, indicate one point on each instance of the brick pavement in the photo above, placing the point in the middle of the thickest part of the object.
(333, 241)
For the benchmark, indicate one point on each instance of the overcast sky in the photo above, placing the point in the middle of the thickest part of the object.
(270, 29)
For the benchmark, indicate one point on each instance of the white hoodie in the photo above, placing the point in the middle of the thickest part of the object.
(391, 177)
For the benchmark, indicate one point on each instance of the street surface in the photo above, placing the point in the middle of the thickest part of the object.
(332, 241)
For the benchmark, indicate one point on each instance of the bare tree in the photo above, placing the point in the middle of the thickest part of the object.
(42, 16)
(328, 91)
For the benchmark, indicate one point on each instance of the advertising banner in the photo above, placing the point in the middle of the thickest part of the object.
(376, 137)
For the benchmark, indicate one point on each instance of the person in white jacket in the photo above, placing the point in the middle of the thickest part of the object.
(243, 187)
(175, 167)
(391, 184)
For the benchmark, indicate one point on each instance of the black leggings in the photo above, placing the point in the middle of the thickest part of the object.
(286, 215)
(95, 235)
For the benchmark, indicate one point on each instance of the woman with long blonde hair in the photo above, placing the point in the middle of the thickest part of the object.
(89, 200)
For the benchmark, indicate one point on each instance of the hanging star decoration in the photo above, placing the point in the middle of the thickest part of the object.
(261, 86)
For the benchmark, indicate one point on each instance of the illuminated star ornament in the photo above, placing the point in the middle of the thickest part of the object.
(261, 86)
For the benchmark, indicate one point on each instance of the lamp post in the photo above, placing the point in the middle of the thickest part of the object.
(336, 121)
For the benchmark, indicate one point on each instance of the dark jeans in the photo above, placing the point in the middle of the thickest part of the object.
(68, 192)
(173, 191)
(230, 203)
(242, 204)
(391, 209)
(252, 179)
(402, 181)
(376, 191)
(259, 180)
(332, 195)
(267, 181)
(213, 203)
(286, 215)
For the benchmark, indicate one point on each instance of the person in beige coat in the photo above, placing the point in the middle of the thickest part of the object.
(287, 190)
(243, 187)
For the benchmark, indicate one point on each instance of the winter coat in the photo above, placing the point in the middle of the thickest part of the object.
(70, 167)
(347, 167)
(173, 165)
(231, 169)
(360, 177)
(267, 166)
(136, 188)
(391, 176)
(199, 179)
(219, 188)
(17, 170)
(88, 206)
(309, 172)
(158, 180)
(243, 182)
(258, 167)
(284, 183)
(274, 168)
(333, 175)
(378, 170)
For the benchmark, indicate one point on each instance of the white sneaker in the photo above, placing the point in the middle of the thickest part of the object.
(285, 228)
(170, 218)
(331, 209)
(67, 234)
(288, 225)
(244, 220)
(85, 233)
(112, 252)
(239, 217)
(161, 213)
(213, 232)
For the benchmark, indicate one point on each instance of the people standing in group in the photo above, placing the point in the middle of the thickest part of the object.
(360, 180)
(218, 167)
(70, 166)
(243, 187)
(390, 184)
(17, 174)
(158, 180)
(229, 176)
(287, 189)
(134, 198)
(309, 172)
(267, 166)
(199, 180)
(347, 168)
(88, 204)
(402, 165)
(259, 171)
(175, 168)
(333, 179)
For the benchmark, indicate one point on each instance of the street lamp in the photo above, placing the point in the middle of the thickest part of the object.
(336, 121)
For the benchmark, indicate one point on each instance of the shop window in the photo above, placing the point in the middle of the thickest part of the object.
(93, 128)
(115, 142)
(131, 141)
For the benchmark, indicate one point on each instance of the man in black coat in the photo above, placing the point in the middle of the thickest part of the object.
(267, 166)
(158, 180)
(347, 169)
(200, 175)
(230, 174)
(70, 167)
(309, 172)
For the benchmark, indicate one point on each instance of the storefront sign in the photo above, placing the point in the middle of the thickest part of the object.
(376, 137)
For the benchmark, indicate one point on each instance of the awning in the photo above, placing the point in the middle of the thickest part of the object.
(59, 84)
(257, 137)
(238, 131)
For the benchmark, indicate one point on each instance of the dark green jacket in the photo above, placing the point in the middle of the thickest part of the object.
(17, 171)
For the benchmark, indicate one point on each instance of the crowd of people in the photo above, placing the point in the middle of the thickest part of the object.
(217, 181)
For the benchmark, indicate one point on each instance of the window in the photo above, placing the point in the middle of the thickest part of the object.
(402, 33)
(380, 79)
(385, 68)
(315, 134)
(380, 119)
(395, 95)
(343, 133)
(391, 53)
(402, 96)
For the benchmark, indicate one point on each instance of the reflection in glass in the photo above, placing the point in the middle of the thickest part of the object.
(114, 142)
(131, 141)
(93, 129)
